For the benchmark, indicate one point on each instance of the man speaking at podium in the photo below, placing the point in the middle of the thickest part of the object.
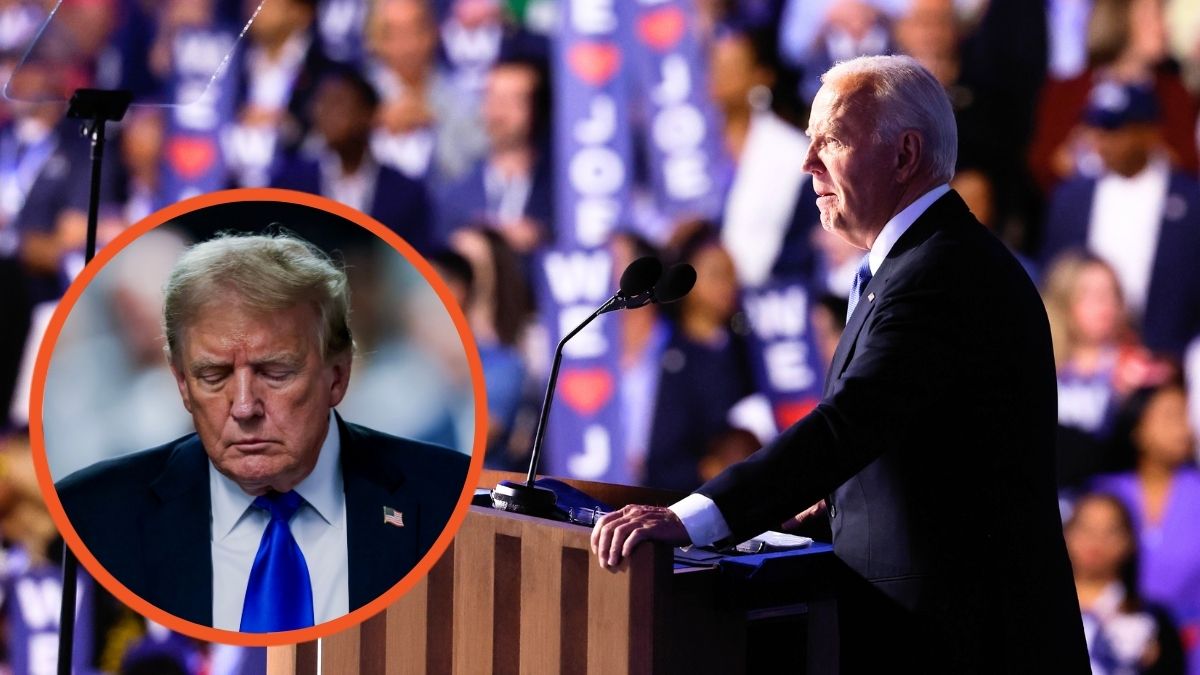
(276, 514)
(934, 443)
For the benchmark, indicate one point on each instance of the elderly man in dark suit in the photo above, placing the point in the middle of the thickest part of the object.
(933, 445)
(276, 514)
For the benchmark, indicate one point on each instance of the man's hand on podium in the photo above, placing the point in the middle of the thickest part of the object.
(616, 534)
(795, 521)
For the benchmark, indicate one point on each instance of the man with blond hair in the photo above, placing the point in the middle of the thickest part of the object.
(933, 447)
(275, 514)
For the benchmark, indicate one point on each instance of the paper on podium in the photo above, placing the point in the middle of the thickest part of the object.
(771, 541)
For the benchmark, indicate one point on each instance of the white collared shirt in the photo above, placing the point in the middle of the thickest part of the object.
(319, 527)
(356, 190)
(1125, 225)
(700, 515)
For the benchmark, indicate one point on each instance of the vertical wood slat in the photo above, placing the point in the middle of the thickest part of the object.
(508, 606)
(541, 592)
(573, 611)
(439, 615)
(281, 660)
(340, 650)
(405, 632)
(372, 645)
(473, 578)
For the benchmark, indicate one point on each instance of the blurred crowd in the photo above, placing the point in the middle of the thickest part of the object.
(1079, 138)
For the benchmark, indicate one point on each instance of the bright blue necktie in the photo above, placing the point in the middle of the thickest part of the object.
(861, 279)
(279, 595)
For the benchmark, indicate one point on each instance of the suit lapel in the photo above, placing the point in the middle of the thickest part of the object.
(948, 207)
(178, 553)
(380, 553)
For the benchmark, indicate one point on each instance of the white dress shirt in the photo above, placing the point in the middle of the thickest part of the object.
(700, 515)
(1125, 224)
(319, 527)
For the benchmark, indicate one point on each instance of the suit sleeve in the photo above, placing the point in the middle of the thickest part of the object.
(905, 360)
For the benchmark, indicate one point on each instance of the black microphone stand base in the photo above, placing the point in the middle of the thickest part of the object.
(522, 498)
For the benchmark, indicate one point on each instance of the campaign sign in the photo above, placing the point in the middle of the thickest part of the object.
(785, 357)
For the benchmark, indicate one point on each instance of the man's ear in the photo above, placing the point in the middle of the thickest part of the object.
(181, 382)
(340, 366)
(909, 153)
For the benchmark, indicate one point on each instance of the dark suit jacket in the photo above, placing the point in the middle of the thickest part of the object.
(400, 203)
(463, 202)
(145, 516)
(1172, 314)
(936, 436)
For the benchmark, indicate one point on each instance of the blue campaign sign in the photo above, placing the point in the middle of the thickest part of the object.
(583, 439)
(786, 360)
(192, 158)
(593, 145)
(33, 595)
(681, 133)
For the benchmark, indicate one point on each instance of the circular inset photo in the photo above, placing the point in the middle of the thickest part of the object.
(258, 417)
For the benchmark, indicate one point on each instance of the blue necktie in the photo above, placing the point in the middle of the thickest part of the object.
(279, 595)
(861, 279)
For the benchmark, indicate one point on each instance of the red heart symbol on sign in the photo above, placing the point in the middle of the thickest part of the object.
(587, 390)
(594, 63)
(661, 29)
(787, 414)
(191, 156)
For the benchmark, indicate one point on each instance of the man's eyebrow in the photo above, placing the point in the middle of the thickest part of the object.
(203, 364)
(288, 359)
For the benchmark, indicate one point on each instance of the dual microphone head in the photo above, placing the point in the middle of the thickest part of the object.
(644, 282)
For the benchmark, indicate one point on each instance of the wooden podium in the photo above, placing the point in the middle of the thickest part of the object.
(516, 594)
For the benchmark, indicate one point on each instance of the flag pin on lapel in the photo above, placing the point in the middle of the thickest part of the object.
(393, 517)
(870, 297)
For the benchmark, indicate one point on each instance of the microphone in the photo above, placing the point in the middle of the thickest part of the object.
(640, 282)
(676, 283)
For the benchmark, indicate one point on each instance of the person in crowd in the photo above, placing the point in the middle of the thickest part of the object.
(1139, 215)
(141, 158)
(1125, 634)
(499, 307)
(1098, 359)
(342, 166)
(511, 188)
(281, 68)
(1126, 45)
(1162, 492)
(645, 334)
(770, 208)
(701, 349)
(427, 128)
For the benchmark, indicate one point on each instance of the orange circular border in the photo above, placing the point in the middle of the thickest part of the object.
(46, 482)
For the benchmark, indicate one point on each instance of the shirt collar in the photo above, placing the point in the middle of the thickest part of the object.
(899, 224)
(322, 488)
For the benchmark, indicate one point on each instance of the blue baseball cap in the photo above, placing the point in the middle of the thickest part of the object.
(1112, 105)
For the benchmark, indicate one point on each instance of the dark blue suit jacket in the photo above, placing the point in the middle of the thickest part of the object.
(936, 437)
(145, 517)
(400, 203)
(463, 202)
(1172, 314)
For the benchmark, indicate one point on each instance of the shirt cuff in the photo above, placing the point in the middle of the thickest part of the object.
(701, 518)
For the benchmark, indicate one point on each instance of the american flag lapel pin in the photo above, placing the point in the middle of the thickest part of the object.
(393, 517)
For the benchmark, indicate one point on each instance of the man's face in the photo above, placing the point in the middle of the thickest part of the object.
(259, 390)
(1126, 150)
(340, 114)
(853, 174)
(508, 105)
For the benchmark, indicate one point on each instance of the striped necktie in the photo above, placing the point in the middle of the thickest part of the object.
(861, 279)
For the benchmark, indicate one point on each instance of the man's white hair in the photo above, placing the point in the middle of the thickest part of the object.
(907, 97)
